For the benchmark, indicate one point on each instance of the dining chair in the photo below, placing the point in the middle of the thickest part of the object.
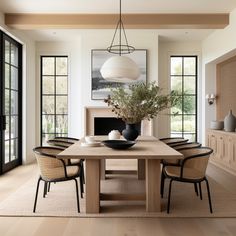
(173, 140)
(176, 162)
(65, 142)
(192, 169)
(55, 170)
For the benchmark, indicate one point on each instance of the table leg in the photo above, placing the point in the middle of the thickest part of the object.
(141, 169)
(92, 185)
(153, 203)
(103, 169)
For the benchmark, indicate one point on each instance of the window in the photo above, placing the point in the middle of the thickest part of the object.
(54, 94)
(183, 78)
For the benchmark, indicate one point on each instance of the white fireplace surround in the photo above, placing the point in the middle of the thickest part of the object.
(93, 112)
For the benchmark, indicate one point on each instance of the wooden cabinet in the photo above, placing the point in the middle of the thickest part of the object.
(224, 149)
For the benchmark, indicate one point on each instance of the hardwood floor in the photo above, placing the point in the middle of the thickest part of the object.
(38, 226)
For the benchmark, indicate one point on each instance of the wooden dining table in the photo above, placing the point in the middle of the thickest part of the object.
(147, 148)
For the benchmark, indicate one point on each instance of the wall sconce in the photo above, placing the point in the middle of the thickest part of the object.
(211, 98)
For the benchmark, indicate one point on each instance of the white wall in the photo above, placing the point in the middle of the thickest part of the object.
(29, 132)
(79, 52)
(166, 49)
(219, 46)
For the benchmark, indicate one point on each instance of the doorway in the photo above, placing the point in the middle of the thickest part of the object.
(10, 103)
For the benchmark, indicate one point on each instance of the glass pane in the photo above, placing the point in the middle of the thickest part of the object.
(48, 66)
(7, 145)
(48, 123)
(189, 124)
(61, 85)
(176, 65)
(14, 102)
(176, 83)
(48, 105)
(14, 78)
(7, 51)
(176, 124)
(190, 85)
(48, 85)
(14, 127)
(61, 124)
(7, 76)
(46, 137)
(14, 144)
(61, 105)
(61, 135)
(7, 102)
(190, 66)
(7, 131)
(189, 105)
(14, 55)
(175, 135)
(190, 137)
(177, 109)
(61, 65)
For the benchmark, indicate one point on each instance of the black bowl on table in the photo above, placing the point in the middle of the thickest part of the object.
(118, 144)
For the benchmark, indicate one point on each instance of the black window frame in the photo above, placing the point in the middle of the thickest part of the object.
(182, 95)
(54, 95)
(4, 167)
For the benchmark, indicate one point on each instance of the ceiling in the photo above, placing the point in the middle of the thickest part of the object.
(112, 6)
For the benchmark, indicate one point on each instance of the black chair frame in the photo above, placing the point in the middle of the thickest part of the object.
(194, 181)
(66, 178)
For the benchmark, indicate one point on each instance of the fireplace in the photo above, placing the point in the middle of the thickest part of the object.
(104, 125)
(101, 120)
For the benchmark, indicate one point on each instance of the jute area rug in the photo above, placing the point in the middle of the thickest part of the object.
(61, 200)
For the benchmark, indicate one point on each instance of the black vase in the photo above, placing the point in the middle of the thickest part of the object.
(130, 132)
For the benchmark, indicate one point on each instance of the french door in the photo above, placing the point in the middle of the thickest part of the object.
(10, 103)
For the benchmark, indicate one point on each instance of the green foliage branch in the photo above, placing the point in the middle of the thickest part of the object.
(141, 101)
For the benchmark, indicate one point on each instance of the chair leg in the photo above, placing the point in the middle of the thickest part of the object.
(169, 195)
(209, 195)
(162, 186)
(49, 185)
(81, 186)
(195, 188)
(36, 194)
(77, 195)
(83, 176)
(200, 190)
(45, 189)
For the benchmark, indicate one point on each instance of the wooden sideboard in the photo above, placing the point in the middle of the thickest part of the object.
(224, 149)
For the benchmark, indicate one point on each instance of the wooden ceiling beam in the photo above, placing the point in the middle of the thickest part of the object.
(108, 21)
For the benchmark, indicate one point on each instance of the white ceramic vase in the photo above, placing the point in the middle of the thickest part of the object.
(230, 122)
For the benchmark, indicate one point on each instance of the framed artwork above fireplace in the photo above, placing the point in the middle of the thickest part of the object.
(101, 88)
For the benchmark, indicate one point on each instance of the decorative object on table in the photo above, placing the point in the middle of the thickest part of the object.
(89, 139)
(118, 144)
(130, 132)
(139, 102)
(120, 68)
(230, 122)
(211, 98)
(93, 144)
(101, 88)
(114, 134)
(217, 125)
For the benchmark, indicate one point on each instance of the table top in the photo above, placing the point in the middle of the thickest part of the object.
(147, 147)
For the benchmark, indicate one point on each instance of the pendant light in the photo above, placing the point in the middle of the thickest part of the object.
(120, 68)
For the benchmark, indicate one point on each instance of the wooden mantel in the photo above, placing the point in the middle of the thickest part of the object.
(108, 21)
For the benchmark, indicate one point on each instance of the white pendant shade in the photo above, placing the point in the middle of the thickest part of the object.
(120, 69)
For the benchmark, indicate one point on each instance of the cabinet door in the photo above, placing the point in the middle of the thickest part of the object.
(212, 143)
(232, 155)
